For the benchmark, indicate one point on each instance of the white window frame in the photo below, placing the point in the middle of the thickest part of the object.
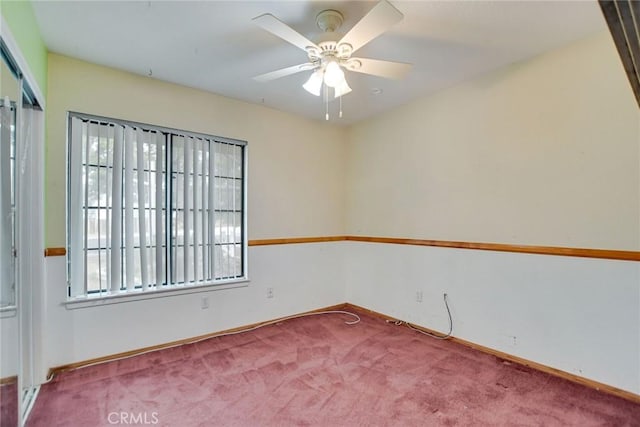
(78, 295)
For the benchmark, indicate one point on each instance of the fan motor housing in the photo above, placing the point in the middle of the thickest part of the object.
(329, 20)
(330, 48)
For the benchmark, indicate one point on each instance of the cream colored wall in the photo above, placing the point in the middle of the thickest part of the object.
(544, 152)
(296, 188)
(296, 173)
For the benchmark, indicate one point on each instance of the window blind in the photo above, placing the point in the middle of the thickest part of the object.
(152, 208)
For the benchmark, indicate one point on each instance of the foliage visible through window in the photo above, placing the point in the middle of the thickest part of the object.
(152, 208)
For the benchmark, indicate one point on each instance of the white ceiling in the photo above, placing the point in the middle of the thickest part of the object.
(214, 46)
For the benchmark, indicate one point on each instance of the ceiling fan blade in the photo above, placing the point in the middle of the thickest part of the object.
(284, 72)
(282, 30)
(379, 19)
(376, 67)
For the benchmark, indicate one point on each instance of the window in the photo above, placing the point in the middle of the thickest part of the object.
(152, 208)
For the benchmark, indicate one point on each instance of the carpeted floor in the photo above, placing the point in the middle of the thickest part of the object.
(319, 371)
(9, 404)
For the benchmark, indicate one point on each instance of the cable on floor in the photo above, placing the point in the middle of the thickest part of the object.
(432, 335)
(356, 319)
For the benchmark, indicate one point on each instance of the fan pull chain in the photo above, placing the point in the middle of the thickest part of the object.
(340, 114)
(326, 102)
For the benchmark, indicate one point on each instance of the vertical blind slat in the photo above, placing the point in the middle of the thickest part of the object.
(230, 211)
(205, 208)
(218, 215)
(211, 211)
(109, 202)
(128, 208)
(186, 207)
(76, 240)
(85, 156)
(140, 137)
(95, 132)
(158, 210)
(233, 198)
(173, 154)
(196, 185)
(116, 224)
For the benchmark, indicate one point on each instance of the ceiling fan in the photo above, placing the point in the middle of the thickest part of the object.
(330, 55)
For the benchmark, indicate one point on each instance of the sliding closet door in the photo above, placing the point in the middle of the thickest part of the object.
(21, 237)
(9, 320)
(30, 236)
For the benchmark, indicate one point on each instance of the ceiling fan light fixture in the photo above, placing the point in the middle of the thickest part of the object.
(314, 83)
(331, 55)
(342, 89)
(333, 75)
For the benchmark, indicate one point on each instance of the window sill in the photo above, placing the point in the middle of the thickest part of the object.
(118, 298)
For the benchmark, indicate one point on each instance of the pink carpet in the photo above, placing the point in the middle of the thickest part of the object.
(318, 371)
(9, 405)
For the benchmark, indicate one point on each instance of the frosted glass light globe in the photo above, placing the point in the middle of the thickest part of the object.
(333, 74)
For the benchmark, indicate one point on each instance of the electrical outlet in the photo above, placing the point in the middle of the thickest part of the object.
(204, 303)
(269, 292)
(418, 296)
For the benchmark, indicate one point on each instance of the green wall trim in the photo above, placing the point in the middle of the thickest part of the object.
(19, 16)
